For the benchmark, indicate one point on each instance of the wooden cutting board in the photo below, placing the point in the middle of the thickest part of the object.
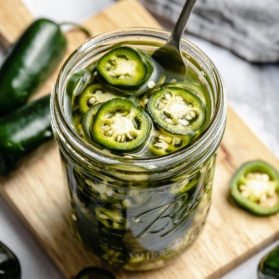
(230, 236)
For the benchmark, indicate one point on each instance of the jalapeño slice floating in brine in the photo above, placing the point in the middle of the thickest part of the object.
(121, 125)
(125, 67)
(163, 143)
(176, 110)
(93, 94)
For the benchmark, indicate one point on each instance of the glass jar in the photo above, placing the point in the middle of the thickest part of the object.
(138, 213)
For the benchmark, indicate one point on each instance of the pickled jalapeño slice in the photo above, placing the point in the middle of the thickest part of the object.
(177, 110)
(111, 218)
(163, 143)
(121, 125)
(77, 119)
(88, 120)
(93, 94)
(125, 67)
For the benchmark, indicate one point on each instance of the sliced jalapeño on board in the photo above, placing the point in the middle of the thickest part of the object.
(255, 187)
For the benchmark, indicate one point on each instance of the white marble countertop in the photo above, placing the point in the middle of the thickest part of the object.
(253, 92)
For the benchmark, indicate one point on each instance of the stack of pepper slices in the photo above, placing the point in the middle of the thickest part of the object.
(121, 103)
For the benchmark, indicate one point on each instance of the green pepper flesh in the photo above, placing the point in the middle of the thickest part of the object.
(176, 110)
(92, 95)
(121, 125)
(255, 187)
(124, 67)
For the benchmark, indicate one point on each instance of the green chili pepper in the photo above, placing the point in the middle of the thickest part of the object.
(30, 62)
(255, 187)
(93, 94)
(121, 125)
(88, 120)
(9, 264)
(177, 110)
(163, 143)
(125, 68)
(23, 131)
(268, 267)
(94, 273)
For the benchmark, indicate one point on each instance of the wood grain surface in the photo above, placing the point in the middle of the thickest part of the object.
(14, 17)
(35, 191)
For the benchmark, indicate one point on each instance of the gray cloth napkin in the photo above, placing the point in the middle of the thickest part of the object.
(249, 28)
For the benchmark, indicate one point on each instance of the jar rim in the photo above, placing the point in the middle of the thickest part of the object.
(208, 135)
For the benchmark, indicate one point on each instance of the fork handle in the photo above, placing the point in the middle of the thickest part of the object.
(179, 27)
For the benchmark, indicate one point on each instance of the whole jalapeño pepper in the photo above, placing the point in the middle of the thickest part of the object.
(23, 131)
(31, 61)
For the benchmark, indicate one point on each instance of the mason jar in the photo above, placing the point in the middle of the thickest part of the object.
(132, 212)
